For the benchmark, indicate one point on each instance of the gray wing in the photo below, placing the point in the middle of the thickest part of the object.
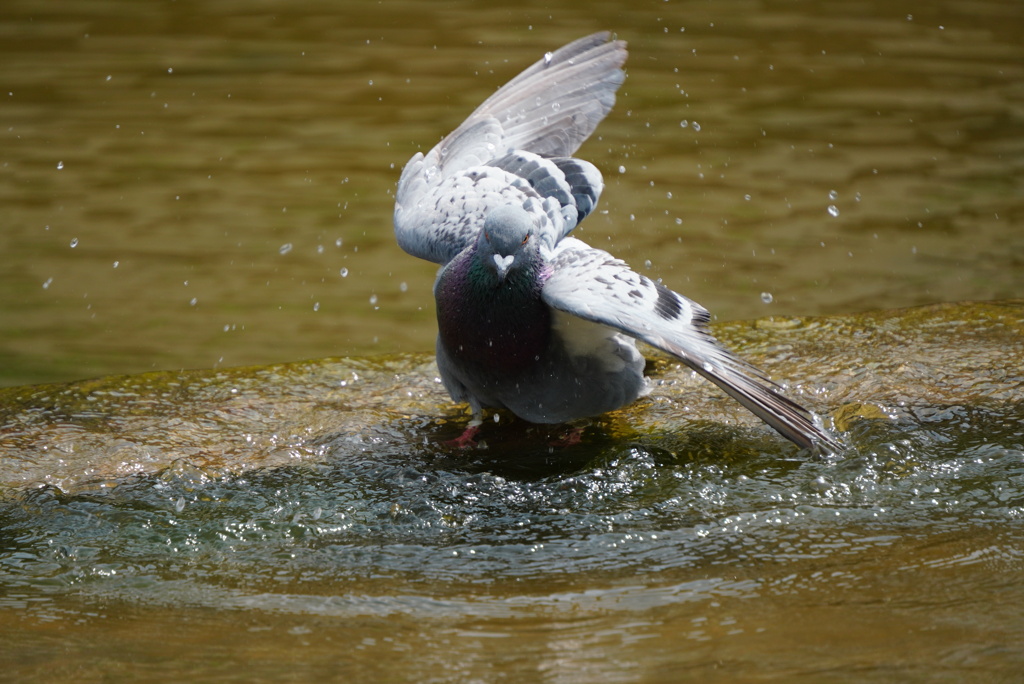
(515, 147)
(594, 285)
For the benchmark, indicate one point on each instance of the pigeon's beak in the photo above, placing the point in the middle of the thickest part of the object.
(503, 263)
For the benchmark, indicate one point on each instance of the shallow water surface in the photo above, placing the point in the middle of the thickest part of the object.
(629, 564)
(620, 568)
(308, 522)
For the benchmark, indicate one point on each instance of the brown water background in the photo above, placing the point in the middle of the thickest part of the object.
(190, 184)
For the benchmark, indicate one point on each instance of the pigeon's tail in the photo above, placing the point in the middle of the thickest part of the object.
(553, 106)
(791, 420)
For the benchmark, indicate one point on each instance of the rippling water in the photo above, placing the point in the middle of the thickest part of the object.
(308, 526)
(383, 517)
(654, 552)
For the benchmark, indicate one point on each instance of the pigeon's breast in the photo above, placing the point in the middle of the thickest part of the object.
(492, 327)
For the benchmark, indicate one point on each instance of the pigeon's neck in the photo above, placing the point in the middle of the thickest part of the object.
(500, 326)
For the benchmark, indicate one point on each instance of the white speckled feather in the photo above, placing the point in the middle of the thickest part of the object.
(544, 114)
(595, 286)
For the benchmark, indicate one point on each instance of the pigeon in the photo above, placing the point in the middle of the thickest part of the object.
(531, 319)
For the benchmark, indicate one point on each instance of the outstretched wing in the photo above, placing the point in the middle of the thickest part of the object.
(594, 285)
(514, 148)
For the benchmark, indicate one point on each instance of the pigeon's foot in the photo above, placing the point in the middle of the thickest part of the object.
(571, 438)
(467, 439)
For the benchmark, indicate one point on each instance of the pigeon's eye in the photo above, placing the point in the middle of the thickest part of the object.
(526, 238)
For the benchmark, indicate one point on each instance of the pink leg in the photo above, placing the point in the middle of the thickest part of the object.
(574, 437)
(467, 439)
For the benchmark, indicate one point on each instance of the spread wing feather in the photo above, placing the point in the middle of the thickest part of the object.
(514, 148)
(594, 285)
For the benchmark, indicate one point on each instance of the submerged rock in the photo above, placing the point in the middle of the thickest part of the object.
(873, 376)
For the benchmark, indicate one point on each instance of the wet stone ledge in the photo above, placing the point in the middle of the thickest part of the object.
(881, 379)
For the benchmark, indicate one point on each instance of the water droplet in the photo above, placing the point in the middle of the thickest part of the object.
(285, 248)
(555, 106)
(373, 299)
(622, 169)
(684, 123)
(767, 297)
(316, 306)
(696, 126)
(179, 505)
(547, 58)
(74, 242)
(647, 263)
(170, 70)
(403, 286)
(46, 285)
(339, 242)
(833, 195)
(193, 301)
(833, 210)
(746, 197)
(343, 272)
(60, 165)
(116, 264)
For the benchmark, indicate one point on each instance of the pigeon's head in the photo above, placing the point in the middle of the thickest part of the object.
(505, 239)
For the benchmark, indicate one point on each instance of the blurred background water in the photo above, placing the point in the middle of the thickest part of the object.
(190, 185)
